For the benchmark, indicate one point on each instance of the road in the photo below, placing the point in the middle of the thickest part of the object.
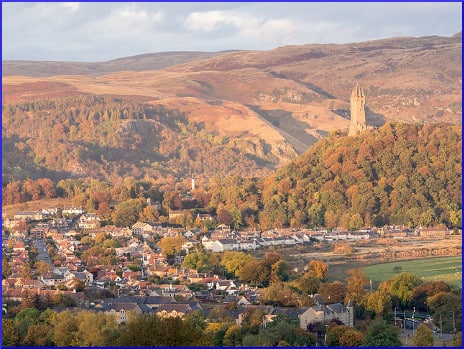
(42, 252)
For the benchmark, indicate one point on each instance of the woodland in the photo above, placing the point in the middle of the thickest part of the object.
(109, 155)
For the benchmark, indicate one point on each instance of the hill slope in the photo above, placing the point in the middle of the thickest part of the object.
(397, 174)
(268, 106)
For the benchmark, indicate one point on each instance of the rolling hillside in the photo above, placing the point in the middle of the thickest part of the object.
(263, 106)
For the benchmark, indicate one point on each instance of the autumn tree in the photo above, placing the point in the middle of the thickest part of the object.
(10, 333)
(423, 336)
(351, 338)
(234, 260)
(225, 217)
(42, 267)
(170, 245)
(333, 292)
(356, 282)
(253, 272)
(378, 302)
(421, 293)
(319, 269)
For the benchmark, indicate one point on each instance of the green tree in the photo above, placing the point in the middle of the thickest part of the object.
(401, 286)
(198, 261)
(423, 336)
(196, 319)
(127, 212)
(334, 332)
(380, 334)
(279, 272)
(233, 336)
(234, 260)
(308, 283)
(442, 305)
(26, 318)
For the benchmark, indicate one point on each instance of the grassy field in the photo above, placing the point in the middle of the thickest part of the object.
(447, 269)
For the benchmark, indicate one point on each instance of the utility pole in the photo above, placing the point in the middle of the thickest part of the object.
(404, 319)
(441, 328)
(413, 312)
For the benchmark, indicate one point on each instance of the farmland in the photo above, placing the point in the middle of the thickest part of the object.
(447, 269)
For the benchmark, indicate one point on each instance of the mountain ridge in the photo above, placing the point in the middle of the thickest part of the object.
(275, 104)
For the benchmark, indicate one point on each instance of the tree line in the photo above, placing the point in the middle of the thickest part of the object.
(398, 174)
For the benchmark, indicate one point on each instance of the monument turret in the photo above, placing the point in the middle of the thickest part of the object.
(357, 111)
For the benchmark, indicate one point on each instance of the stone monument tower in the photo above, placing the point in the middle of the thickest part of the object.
(358, 113)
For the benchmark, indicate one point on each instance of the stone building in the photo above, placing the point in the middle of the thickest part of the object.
(327, 312)
(357, 110)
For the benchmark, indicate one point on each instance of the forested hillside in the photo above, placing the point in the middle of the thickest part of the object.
(399, 173)
(108, 137)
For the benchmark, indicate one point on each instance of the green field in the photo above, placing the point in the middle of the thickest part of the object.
(447, 269)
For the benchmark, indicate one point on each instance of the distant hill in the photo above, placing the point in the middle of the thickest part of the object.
(148, 61)
(259, 109)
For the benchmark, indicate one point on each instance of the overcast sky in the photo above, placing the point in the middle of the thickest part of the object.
(91, 32)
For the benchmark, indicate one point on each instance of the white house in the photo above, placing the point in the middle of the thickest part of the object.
(220, 245)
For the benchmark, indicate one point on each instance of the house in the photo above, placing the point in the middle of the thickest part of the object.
(228, 286)
(173, 310)
(432, 233)
(189, 234)
(89, 221)
(220, 245)
(52, 279)
(140, 228)
(326, 313)
(204, 217)
(121, 310)
(73, 211)
(28, 216)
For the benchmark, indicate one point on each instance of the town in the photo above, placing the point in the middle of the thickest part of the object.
(137, 274)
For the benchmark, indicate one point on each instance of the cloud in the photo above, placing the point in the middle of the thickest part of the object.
(207, 21)
(89, 31)
(72, 6)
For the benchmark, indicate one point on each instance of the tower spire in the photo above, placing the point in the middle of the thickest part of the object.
(357, 110)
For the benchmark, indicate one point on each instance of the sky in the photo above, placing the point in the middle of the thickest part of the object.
(93, 32)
